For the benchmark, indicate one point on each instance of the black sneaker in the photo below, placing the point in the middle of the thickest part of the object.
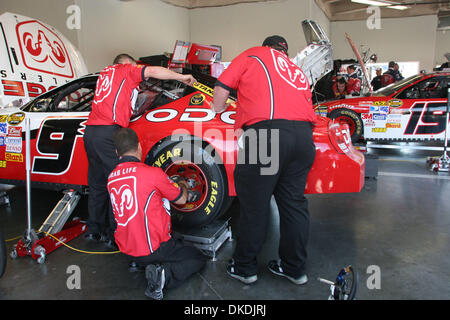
(275, 267)
(94, 237)
(231, 270)
(156, 280)
(111, 244)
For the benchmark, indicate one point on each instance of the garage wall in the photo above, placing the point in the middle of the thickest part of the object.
(442, 46)
(139, 27)
(399, 39)
(239, 27)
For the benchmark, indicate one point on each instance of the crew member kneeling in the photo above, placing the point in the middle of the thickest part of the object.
(140, 196)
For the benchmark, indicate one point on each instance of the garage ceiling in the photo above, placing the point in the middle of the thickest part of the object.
(340, 10)
(192, 4)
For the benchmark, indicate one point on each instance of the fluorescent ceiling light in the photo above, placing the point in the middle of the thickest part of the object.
(372, 3)
(399, 7)
(382, 3)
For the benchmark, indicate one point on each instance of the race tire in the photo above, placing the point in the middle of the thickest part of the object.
(352, 119)
(2, 255)
(204, 172)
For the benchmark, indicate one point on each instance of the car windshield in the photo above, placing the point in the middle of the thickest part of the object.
(394, 87)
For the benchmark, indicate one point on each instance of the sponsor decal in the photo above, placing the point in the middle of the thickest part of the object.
(16, 118)
(378, 130)
(322, 110)
(42, 49)
(395, 103)
(15, 132)
(394, 118)
(377, 116)
(197, 100)
(3, 118)
(205, 89)
(366, 116)
(2, 141)
(13, 144)
(369, 123)
(2, 163)
(380, 103)
(3, 129)
(14, 157)
(379, 109)
(393, 125)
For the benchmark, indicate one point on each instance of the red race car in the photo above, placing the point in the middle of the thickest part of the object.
(178, 132)
(413, 109)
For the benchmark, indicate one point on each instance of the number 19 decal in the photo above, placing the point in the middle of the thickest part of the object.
(56, 142)
(427, 118)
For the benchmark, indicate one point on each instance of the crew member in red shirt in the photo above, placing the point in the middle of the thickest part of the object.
(340, 88)
(140, 196)
(353, 82)
(275, 111)
(115, 95)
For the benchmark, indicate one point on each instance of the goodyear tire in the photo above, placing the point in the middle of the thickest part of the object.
(2, 255)
(194, 161)
(352, 119)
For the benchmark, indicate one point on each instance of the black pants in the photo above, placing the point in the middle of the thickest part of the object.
(102, 157)
(178, 259)
(291, 145)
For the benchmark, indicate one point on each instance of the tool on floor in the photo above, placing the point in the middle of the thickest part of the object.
(344, 288)
(442, 163)
(39, 244)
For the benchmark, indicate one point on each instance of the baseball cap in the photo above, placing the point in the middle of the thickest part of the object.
(276, 41)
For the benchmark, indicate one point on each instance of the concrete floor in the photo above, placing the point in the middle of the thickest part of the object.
(398, 224)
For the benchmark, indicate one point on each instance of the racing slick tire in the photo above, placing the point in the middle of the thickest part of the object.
(194, 161)
(352, 119)
(2, 254)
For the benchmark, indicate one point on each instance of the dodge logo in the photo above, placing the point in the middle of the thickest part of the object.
(123, 199)
(289, 71)
(42, 50)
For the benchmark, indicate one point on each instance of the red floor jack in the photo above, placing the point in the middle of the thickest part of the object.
(442, 163)
(39, 244)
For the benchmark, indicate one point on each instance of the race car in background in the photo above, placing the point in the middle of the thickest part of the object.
(178, 132)
(413, 109)
(34, 58)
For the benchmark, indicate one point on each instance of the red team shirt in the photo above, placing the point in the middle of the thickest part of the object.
(138, 194)
(353, 85)
(269, 86)
(115, 95)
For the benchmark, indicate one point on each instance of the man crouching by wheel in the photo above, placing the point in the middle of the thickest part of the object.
(140, 197)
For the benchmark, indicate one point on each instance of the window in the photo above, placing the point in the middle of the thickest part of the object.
(74, 96)
(431, 88)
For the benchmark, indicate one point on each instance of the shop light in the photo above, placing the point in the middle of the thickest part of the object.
(373, 3)
(398, 7)
(382, 3)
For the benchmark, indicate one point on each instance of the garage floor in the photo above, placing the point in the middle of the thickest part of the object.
(398, 224)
